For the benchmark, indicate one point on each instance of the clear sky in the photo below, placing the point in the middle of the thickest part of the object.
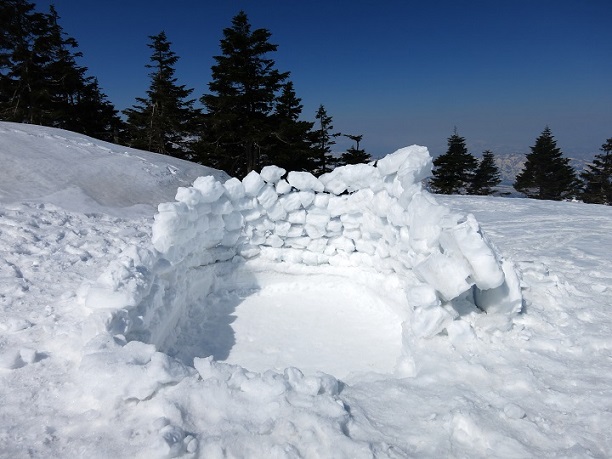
(397, 71)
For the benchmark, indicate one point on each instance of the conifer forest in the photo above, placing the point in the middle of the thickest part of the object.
(248, 117)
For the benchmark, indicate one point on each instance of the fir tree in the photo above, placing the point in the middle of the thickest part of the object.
(163, 121)
(291, 143)
(547, 174)
(486, 177)
(76, 102)
(243, 94)
(354, 154)
(40, 79)
(65, 78)
(23, 87)
(324, 138)
(95, 115)
(597, 177)
(453, 171)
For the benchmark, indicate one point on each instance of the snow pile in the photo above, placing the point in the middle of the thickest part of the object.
(363, 217)
(82, 174)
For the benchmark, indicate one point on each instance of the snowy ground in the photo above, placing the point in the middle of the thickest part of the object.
(312, 321)
(541, 389)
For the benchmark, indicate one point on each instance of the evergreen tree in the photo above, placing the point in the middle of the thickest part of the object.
(453, 171)
(324, 138)
(64, 77)
(76, 102)
(598, 177)
(40, 80)
(354, 154)
(291, 143)
(486, 177)
(243, 94)
(95, 115)
(23, 87)
(163, 121)
(547, 174)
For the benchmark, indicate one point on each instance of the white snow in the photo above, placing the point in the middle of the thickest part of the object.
(332, 317)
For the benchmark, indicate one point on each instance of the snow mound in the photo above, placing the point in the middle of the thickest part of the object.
(82, 174)
(362, 223)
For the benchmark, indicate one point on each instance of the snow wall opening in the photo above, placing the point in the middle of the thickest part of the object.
(372, 223)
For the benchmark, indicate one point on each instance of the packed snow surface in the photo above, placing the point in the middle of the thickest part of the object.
(288, 316)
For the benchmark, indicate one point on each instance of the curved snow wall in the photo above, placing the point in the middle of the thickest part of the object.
(364, 216)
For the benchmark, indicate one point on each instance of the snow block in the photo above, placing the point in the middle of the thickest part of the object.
(449, 276)
(252, 183)
(234, 189)
(272, 174)
(350, 178)
(505, 299)
(304, 181)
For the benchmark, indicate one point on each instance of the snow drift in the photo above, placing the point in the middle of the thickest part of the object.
(83, 174)
(361, 218)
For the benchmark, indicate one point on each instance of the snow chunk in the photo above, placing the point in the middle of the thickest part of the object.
(138, 371)
(429, 322)
(306, 198)
(485, 265)
(304, 181)
(252, 183)
(283, 187)
(413, 163)
(291, 202)
(272, 174)
(505, 299)
(267, 197)
(234, 188)
(350, 178)
(210, 188)
(449, 276)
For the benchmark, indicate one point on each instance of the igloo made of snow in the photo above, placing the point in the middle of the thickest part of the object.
(395, 265)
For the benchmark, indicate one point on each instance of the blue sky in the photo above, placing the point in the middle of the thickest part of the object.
(398, 72)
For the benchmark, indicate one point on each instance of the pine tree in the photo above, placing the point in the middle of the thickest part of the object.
(163, 121)
(95, 115)
(597, 177)
(486, 177)
(547, 174)
(453, 171)
(243, 94)
(76, 102)
(291, 143)
(64, 77)
(23, 88)
(40, 79)
(354, 154)
(324, 138)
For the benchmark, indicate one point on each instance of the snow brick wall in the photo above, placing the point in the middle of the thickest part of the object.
(366, 216)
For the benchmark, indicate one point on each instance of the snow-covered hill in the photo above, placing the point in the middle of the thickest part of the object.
(84, 174)
(70, 227)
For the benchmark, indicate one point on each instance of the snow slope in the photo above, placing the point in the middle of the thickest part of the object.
(83, 174)
(538, 389)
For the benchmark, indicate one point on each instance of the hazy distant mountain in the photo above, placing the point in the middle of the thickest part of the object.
(511, 164)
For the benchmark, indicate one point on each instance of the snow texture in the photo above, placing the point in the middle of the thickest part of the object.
(345, 318)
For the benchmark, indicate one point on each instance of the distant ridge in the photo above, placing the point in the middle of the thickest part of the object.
(511, 164)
